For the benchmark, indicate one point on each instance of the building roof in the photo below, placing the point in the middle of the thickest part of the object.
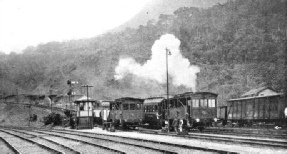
(255, 92)
(84, 99)
(188, 94)
(255, 97)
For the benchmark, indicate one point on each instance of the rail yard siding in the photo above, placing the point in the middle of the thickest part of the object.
(255, 108)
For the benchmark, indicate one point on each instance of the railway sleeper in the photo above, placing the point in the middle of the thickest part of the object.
(10, 146)
(165, 143)
(103, 147)
(245, 141)
(73, 150)
(41, 145)
(155, 149)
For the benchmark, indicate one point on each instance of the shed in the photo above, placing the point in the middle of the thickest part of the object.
(262, 91)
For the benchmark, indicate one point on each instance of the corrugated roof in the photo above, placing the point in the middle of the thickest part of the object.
(246, 98)
(255, 92)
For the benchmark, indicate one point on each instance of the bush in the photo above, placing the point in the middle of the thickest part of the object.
(33, 117)
(53, 118)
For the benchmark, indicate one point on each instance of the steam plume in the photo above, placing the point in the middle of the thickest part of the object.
(179, 69)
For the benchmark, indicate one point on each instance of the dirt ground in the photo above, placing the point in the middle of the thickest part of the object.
(18, 115)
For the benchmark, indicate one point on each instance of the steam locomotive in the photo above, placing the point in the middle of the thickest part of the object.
(195, 110)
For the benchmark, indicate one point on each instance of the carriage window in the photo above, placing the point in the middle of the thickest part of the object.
(117, 106)
(125, 106)
(145, 108)
(81, 106)
(155, 107)
(211, 102)
(171, 104)
(195, 102)
(132, 106)
(96, 105)
(179, 103)
(203, 102)
(189, 102)
(139, 107)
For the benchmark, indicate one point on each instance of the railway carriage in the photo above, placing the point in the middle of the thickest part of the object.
(197, 109)
(153, 111)
(127, 112)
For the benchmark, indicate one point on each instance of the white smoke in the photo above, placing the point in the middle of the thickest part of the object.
(179, 68)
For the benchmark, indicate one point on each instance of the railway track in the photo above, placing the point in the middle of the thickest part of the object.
(244, 134)
(151, 143)
(121, 144)
(6, 147)
(65, 144)
(115, 146)
(227, 139)
(24, 145)
(262, 133)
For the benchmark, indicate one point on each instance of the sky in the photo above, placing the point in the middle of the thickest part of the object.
(30, 22)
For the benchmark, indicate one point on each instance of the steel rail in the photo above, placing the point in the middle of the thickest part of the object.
(163, 143)
(33, 142)
(73, 150)
(10, 146)
(125, 143)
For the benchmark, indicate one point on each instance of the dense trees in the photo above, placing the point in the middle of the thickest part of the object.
(239, 45)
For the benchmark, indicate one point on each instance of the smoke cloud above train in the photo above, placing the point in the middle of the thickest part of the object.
(179, 68)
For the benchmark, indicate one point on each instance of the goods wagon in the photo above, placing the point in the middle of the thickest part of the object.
(257, 110)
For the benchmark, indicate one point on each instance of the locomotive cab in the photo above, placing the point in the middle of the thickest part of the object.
(153, 112)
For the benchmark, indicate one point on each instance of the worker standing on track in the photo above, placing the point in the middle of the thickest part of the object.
(175, 122)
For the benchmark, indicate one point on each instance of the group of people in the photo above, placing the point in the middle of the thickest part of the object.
(177, 123)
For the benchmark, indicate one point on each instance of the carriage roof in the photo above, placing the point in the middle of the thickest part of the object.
(190, 94)
(255, 97)
(153, 100)
(128, 98)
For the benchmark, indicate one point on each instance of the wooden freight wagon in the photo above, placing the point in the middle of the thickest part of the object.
(262, 107)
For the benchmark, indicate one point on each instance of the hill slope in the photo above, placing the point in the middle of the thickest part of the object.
(238, 46)
(157, 7)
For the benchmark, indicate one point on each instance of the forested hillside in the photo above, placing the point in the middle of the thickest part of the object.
(238, 45)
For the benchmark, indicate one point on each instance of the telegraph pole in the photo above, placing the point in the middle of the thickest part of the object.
(87, 86)
(167, 87)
